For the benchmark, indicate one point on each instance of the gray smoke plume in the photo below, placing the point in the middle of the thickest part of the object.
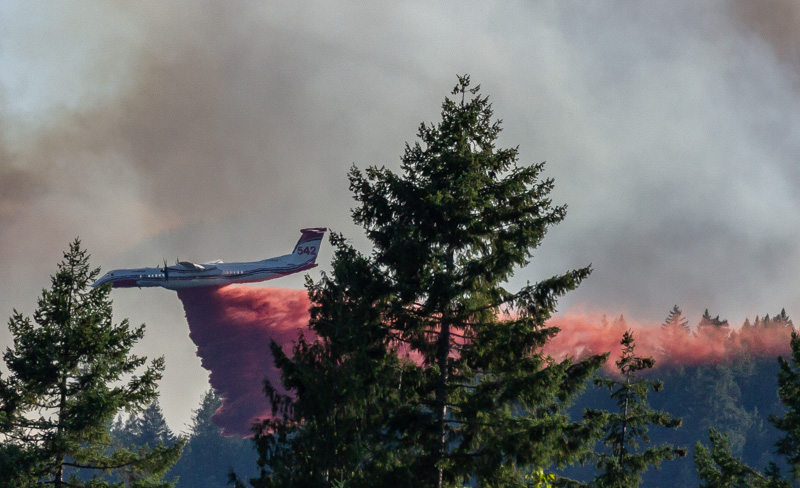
(204, 130)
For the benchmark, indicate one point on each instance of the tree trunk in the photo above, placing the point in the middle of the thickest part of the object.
(442, 355)
(58, 482)
(59, 475)
(624, 424)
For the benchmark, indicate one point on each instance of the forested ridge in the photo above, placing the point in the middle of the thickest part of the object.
(735, 397)
(422, 367)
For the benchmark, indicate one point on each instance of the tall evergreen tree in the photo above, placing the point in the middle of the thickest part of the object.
(447, 234)
(417, 376)
(718, 468)
(202, 425)
(622, 465)
(146, 429)
(346, 382)
(208, 457)
(713, 329)
(676, 320)
(707, 320)
(66, 382)
(789, 393)
(782, 319)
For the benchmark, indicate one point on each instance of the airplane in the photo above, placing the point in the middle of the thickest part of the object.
(216, 273)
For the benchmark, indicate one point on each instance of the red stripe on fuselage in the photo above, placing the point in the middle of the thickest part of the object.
(124, 284)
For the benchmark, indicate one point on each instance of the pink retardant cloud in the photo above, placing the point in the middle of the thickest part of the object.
(584, 333)
(233, 326)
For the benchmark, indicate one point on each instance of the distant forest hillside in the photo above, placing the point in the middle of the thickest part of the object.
(715, 376)
(735, 395)
(736, 398)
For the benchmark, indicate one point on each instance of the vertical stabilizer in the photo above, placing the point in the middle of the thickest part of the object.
(306, 249)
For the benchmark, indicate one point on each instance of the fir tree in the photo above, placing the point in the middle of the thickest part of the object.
(417, 377)
(146, 429)
(782, 319)
(789, 393)
(347, 384)
(447, 233)
(718, 468)
(66, 384)
(622, 465)
(676, 320)
(708, 321)
(209, 458)
(720, 401)
(713, 329)
(202, 425)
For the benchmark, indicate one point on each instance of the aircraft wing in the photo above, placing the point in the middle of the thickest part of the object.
(187, 266)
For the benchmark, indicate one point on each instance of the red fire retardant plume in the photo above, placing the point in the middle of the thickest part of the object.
(233, 326)
(590, 333)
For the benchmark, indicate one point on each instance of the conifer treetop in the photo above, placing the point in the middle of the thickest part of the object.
(71, 371)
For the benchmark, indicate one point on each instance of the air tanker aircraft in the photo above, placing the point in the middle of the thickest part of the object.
(216, 273)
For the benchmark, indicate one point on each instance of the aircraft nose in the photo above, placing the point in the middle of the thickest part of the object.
(103, 280)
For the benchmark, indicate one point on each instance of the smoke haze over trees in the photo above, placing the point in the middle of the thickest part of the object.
(155, 130)
(231, 327)
(722, 385)
(734, 393)
(162, 129)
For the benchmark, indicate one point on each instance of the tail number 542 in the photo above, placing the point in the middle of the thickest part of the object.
(307, 250)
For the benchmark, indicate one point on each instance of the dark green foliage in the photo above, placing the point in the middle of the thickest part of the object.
(718, 468)
(208, 457)
(622, 465)
(726, 396)
(676, 320)
(447, 234)
(721, 402)
(346, 382)
(417, 377)
(146, 429)
(707, 320)
(789, 393)
(735, 397)
(70, 372)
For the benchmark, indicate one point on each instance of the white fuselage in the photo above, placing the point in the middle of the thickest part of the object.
(190, 275)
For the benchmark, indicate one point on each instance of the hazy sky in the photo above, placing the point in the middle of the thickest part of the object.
(207, 130)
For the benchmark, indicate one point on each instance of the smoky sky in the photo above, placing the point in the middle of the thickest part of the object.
(202, 130)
